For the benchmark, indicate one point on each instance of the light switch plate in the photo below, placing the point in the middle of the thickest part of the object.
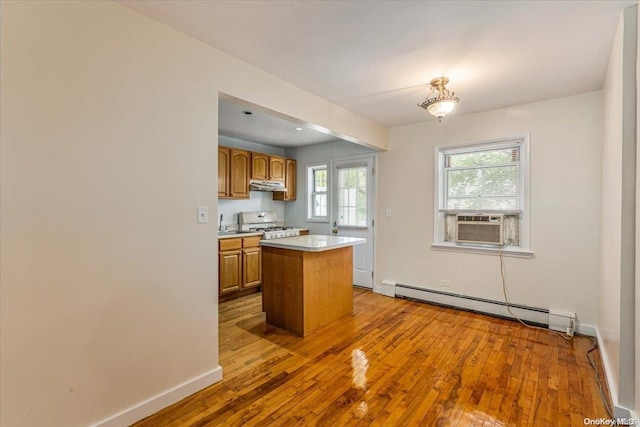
(203, 214)
(387, 212)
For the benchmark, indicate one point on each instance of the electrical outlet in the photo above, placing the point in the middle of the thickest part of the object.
(445, 283)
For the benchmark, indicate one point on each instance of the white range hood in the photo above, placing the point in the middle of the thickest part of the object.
(266, 186)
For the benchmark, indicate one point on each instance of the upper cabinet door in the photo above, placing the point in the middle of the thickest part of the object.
(290, 182)
(223, 172)
(291, 177)
(276, 168)
(239, 166)
(259, 166)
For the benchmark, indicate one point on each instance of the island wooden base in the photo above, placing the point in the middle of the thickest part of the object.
(302, 291)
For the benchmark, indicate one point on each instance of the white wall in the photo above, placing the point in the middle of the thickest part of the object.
(108, 145)
(295, 212)
(258, 200)
(609, 290)
(617, 281)
(565, 137)
(637, 260)
(250, 145)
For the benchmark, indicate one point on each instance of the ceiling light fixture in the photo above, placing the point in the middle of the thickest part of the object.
(298, 128)
(442, 104)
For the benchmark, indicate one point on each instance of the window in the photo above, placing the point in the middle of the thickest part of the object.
(490, 177)
(317, 192)
(352, 196)
(485, 179)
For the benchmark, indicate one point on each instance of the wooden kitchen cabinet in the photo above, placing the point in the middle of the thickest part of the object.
(305, 290)
(267, 168)
(259, 166)
(233, 173)
(251, 267)
(240, 266)
(237, 167)
(239, 174)
(276, 168)
(223, 172)
(290, 182)
(230, 277)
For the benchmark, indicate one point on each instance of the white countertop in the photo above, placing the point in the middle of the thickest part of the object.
(313, 242)
(249, 234)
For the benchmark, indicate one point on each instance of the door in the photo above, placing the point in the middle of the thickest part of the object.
(230, 276)
(252, 267)
(259, 166)
(290, 178)
(239, 166)
(276, 168)
(223, 172)
(352, 211)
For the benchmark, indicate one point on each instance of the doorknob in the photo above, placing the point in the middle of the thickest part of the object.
(335, 228)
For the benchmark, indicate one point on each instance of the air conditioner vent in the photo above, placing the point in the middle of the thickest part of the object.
(479, 228)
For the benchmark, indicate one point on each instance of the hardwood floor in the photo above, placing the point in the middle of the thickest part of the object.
(422, 364)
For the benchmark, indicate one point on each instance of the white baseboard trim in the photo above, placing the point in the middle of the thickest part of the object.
(586, 330)
(162, 400)
(613, 391)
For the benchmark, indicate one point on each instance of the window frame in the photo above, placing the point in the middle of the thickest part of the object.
(524, 214)
(310, 186)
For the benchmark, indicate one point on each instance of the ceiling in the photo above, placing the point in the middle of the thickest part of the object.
(265, 127)
(376, 57)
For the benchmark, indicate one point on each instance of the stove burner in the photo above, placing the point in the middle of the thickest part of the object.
(270, 228)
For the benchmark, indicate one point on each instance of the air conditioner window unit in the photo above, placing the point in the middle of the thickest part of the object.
(480, 228)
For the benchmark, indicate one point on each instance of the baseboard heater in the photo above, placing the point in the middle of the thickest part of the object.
(552, 319)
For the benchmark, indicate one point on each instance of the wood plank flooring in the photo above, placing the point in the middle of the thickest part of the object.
(425, 365)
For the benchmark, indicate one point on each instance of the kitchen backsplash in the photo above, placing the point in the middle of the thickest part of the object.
(259, 201)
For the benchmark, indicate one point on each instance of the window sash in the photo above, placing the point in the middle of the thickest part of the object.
(487, 166)
(487, 194)
(315, 180)
(317, 195)
(317, 206)
(481, 148)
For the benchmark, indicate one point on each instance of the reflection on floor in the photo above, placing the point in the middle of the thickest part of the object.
(393, 363)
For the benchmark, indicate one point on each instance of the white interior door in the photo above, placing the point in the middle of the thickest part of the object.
(352, 211)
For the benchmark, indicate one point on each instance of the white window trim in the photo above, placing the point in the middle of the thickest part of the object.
(309, 168)
(522, 251)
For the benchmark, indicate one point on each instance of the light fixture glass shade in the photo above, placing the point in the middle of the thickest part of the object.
(442, 104)
(440, 109)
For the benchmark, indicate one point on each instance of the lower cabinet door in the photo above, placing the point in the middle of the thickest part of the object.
(230, 271)
(252, 266)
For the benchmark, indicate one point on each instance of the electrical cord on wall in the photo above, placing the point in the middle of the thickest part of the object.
(563, 336)
(600, 389)
(506, 301)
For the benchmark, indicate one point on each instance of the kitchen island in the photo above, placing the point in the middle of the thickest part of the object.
(307, 281)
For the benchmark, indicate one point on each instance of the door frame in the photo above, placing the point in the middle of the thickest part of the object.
(374, 185)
